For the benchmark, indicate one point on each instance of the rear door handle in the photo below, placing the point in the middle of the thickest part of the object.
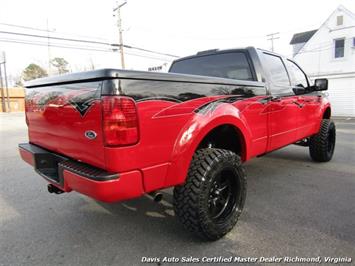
(276, 99)
(270, 99)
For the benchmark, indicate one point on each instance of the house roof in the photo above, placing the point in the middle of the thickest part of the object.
(302, 37)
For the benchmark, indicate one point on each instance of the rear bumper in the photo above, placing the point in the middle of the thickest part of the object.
(69, 175)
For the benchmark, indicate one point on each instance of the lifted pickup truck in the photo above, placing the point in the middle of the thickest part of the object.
(115, 135)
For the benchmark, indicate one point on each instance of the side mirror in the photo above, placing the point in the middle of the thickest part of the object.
(321, 84)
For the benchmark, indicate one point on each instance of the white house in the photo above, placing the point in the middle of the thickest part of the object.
(329, 52)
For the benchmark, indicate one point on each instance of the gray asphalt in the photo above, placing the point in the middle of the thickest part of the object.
(294, 207)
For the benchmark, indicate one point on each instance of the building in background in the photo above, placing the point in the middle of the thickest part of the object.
(16, 99)
(329, 52)
(300, 39)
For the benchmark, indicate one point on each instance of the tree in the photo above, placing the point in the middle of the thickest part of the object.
(18, 83)
(33, 71)
(61, 64)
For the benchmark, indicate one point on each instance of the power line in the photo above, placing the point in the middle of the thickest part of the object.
(53, 37)
(85, 41)
(54, 45)
(149, 51)
(157, 32)
(328, 46)
(145, 29)
(88, 48)
(151, 57)
(44, 30)
(22, 27)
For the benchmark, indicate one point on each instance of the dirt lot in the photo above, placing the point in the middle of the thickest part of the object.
(294, 207)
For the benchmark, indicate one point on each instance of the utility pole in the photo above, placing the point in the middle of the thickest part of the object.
(120, 30)
(3, 106)
(6, 84)
(49, 50)
(271, 37)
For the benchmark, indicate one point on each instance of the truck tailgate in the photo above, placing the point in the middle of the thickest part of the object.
(66, 119)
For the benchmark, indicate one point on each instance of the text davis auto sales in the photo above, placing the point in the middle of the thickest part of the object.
(231, 259)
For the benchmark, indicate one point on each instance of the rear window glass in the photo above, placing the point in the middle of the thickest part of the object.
(277, 70)
(226, 65)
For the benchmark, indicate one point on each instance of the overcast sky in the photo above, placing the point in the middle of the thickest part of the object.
(178, 27)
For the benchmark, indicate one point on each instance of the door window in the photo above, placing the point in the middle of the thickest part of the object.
(298, 78)
(278, 74)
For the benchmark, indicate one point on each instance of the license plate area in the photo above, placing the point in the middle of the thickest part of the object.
(46, 164)
(51, 166)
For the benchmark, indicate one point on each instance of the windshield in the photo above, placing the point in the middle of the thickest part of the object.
(233, 65)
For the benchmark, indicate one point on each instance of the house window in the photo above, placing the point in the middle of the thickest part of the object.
(339, 20)
(339, 48)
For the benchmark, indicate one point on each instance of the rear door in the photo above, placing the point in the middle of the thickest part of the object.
(66, 119)
(283, 109)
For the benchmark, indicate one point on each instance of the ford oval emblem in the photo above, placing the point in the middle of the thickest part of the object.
(90, 134)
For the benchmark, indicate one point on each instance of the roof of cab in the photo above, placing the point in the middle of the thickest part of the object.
(211, 52)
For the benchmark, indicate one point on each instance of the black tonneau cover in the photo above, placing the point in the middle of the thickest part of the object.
(103, 74)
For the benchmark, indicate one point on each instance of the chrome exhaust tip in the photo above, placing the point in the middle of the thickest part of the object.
(156, 195)
(53, 189)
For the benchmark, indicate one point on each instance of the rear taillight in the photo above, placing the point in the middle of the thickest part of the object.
(119, 120)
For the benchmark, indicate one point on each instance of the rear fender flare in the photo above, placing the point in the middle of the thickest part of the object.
(194, 132)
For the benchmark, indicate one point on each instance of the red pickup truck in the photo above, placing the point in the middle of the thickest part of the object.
(115, 135)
